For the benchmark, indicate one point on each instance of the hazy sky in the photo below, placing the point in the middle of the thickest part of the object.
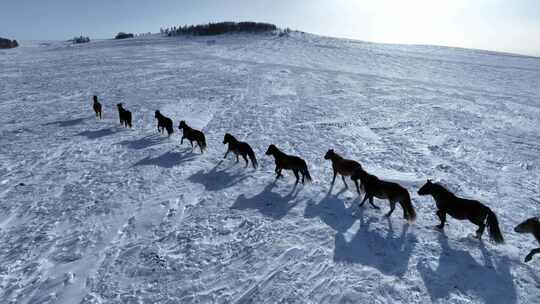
(505, 25)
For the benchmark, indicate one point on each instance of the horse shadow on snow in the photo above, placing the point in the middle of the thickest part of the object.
(389, 254)
(98, 133)
(68, 123)
(167, 160)
(333, 212)
(459, 273)
(143, 143)
(217, 179)
(268, 202)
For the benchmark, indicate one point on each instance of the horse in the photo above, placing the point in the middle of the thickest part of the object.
(393, 192)
(97, 107)
(531, 226)
(289, 162)
(341, 165)
(125, 116)
(192, 135)
(164, 123)
(462, 209)
(239, 148)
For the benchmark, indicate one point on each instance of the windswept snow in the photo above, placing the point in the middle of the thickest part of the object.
(94, 213)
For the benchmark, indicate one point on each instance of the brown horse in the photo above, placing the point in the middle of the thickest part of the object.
(164, 123)
(239, 148)
(97, 107)
(289, 162)
(393, 192)
(125, 116)
(531, 226)
(192, 135)
(341, 165)
(462, 209)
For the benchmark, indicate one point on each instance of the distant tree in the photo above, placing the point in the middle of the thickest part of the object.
(8, 44)
(123, 35)
(80, 39)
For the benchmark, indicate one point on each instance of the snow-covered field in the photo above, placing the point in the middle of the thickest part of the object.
(94, 213)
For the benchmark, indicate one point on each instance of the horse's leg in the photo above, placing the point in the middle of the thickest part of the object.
(226, 153)
(531, 254)
(334, 178)
(245, 158)
(442, 216)
(479, 221)
(344, 182)
(392, 207)
(182, 140)
(200, 146)
(364, 200)
(357, 186)
(297, 177)
(372, 204)
(237, 160)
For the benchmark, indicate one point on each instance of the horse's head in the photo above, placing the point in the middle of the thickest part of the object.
(95, 99)
(272, 149)
(527, 226)
(158, 114)
(227, 138)
(329, 154)
(119, 105)
(182, 124)
(427, 188)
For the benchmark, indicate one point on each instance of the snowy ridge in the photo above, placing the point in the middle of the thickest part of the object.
(94, 213)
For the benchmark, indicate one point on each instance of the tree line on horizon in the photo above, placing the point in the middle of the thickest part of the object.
(219, 28)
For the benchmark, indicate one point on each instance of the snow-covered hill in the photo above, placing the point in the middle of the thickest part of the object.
(94, 213)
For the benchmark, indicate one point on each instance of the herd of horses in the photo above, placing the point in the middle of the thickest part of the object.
(447, 203)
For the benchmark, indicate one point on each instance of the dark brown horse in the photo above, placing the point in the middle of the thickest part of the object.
(531, 226)
(164, 123)
(125, 116)
(239, 148)
(341, 165)
(462, 209)
(289, 162)
(192, 135)
(97, 107)
(393, 192)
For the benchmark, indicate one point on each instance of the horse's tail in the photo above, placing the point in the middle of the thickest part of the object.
(305, 171)
(493, 225)
(251, 155)
(203, 142)
(408, 209)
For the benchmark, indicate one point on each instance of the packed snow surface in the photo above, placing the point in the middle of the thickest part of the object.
(91, 212)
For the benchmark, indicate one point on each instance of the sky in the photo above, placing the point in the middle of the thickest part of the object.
(499, 25)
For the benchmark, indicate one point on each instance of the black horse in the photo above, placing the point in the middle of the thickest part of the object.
(239, 148)
(393, 192)
(462, 209)
(192, 135)
(289, 162)
(97, 107)
(164, 123)
(531, 226)
(125, 116)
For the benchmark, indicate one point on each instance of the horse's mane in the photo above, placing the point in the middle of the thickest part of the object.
(442, 189)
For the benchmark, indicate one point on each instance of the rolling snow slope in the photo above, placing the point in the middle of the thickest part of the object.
(94, 213)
